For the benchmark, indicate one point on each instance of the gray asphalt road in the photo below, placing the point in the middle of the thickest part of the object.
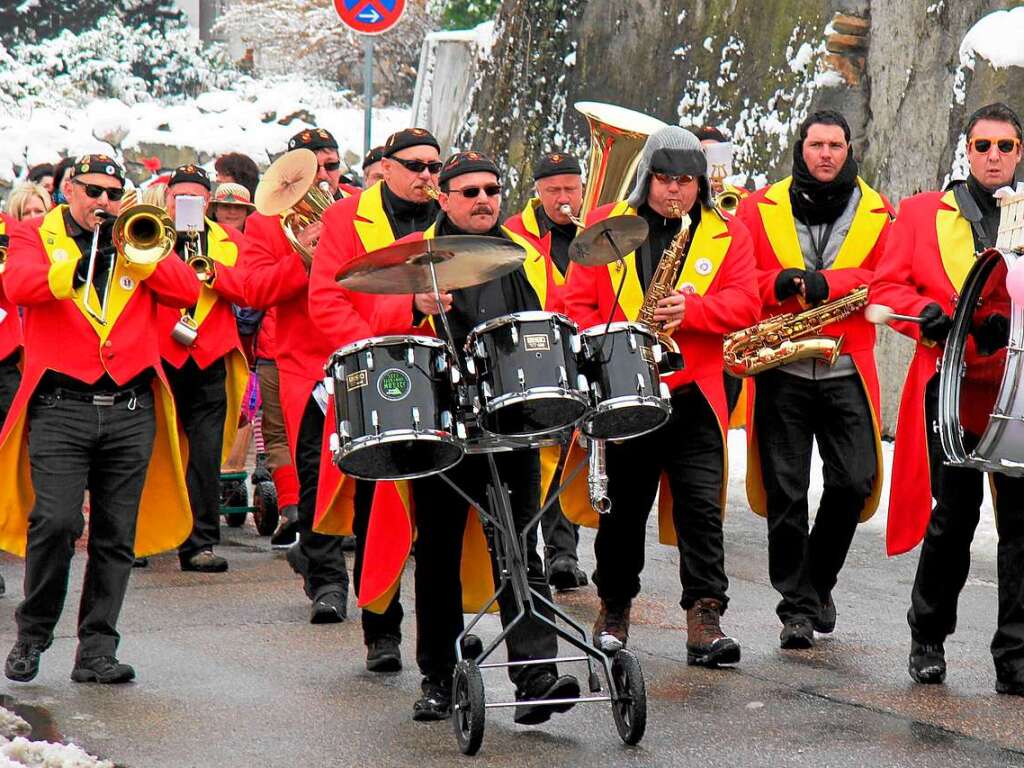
(231, 674)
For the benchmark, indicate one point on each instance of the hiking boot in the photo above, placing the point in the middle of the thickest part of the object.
(544, 686)
(927, 662)
(329, 608)
(383, 655)
(611, 630)
(204, 562)
(287, 531)
(435, 703)
(825, 621)
(564, 574)
(102, 669)
(797, 634)
(706, 644)
(23, 661)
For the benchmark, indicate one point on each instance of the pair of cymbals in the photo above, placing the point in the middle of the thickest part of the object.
(461, 261)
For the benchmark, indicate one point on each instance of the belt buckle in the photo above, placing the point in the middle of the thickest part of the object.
(106, 400)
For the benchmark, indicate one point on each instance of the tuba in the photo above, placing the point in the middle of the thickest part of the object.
(288, 189)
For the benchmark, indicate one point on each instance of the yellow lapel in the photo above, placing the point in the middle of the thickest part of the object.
(777, 217)
(956, 243)
(371, 223)
(60, 246)
(632, 297)
(867, 224)
(219, 248)
(710, 244)
(530, 217)
(535, 266)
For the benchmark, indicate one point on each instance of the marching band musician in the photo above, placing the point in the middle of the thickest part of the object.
(275, 275)
(93, 412)
(10, 339)
(929, 254)
(716, 293)
(470, 201)
(373, 169)
(394, 207)
(558, 183)
(205, 365)
(818, 234)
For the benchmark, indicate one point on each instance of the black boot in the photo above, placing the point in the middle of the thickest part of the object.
(544, 686)
(797, 634)
(23, 661)
(436, 701)
(330, 607)
(383, 654)
(102, 669)
(927, 663)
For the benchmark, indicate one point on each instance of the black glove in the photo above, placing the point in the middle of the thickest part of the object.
(815, 287)
(786, 285)
(992, 334)
(935, 323)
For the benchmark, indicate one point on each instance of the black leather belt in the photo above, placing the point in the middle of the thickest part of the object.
(98, 398)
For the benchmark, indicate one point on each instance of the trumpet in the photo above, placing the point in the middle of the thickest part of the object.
(566, 210)
(193, 255)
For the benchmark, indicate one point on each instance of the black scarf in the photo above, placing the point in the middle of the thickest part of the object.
(820, 202)
(406, 216)
(989, 208)
(561, 237)
(660, 233)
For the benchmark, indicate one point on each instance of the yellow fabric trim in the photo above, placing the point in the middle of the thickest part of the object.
(19, 495)
(530, 217)
(779, 225)
(956, 242)
(371, 221)
(867, 224)
(221, 250)
(535, 266)
(61, 278)
(235, 384)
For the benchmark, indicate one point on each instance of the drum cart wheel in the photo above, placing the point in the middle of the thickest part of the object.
(629, 706)
(234, 498)
(264, 507)
(469, 709)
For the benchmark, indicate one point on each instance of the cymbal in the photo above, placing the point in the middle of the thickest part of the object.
(591, 247)
(286, 181)
(459, 262)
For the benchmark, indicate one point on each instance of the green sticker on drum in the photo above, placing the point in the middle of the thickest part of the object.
(394, 384)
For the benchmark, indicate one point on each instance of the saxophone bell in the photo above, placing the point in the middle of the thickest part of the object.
(597, 477)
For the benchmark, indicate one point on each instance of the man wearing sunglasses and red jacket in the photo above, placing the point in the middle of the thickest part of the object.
(927, 258)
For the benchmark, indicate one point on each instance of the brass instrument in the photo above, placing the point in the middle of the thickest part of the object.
(597, 476)
(663, 283)
(727, 200)
(288, 189)
(193, 255)
(432, 192)
(143, 234)
(789, 337)
(566, 210)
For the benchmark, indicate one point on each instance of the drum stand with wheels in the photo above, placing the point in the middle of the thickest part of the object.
(626, 691)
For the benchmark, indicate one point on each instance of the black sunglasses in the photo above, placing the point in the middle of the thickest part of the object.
(95, 191)
(331, 166)
(491, 190)
(418, 166)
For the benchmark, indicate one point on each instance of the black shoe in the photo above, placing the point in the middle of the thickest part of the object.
(204, 562)
(1013, 686)
(141, 562)
(797, 634)
(564, 575)
(23, 661)
(545, 686)
(435, 703)
(825, 621)
(300, 564)
(927, 662)
(287, 532)
(3, 586)
(348, 543)
(383, 655)
(102, 669)
(330, 608)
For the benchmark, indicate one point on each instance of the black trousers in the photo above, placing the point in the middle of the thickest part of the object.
(441, 522)
(791, 414)
(73, 447)
(10, 379)
(946, 552)
(688, 449)
(560, 536)
(201, 400)
(733, 388)
(327, 569)
(375, 625)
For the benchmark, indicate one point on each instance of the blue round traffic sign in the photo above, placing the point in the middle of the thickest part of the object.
(370, 17)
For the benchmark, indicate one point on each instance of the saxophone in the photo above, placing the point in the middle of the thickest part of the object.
(597, 476)
(663, 283)
(789, 337)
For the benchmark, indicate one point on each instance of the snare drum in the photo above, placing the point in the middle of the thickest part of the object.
(395, 407)
(526, 373)
(621, 364)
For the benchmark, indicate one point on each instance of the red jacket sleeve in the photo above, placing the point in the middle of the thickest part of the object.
(230, 281)
(893, 283)
(27, 276)
(174, 283)
(581, 295)
(734, 304)
(272, 272)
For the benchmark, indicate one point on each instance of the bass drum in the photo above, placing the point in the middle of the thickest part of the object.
(981, 380)
(395, 408)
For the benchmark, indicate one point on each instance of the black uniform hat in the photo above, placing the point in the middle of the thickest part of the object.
(103, 164)
(466, 162)
(312, 139)
(409, 137)
(375, 155)
(709, 133)
(555, 164)
(189, 173)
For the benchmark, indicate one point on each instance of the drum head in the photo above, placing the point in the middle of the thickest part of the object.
(625, 422)
(533, 415)
(403, 459)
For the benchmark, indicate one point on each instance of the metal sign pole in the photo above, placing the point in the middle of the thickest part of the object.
(367, 90)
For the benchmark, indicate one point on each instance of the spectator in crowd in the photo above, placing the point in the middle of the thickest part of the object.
(59, 174)
(236, 168)
(231, 205)
(42, 174)
(28, 200)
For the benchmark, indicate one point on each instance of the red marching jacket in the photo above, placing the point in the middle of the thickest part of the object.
(10, 323)
(928, 256)
(720, 272)
(768, 215)
(61, 336)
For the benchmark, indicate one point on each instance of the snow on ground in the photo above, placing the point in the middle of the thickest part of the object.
(997, 38)
(245, 119)
(984, 540)
(18, 752)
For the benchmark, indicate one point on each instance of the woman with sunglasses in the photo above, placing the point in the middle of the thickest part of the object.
(929, 253)
(93, 412)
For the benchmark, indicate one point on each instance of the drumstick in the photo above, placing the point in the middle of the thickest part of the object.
(879, 314)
